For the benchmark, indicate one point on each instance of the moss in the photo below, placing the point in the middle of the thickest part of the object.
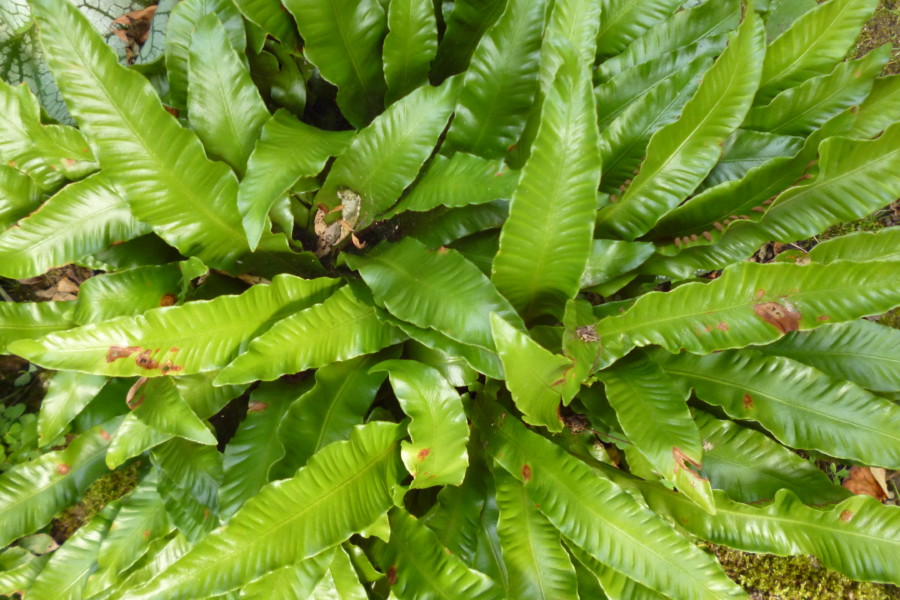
(769, 577)
(882, 28)
(111, 486)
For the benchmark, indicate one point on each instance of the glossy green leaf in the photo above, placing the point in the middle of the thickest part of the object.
(782, 13)
(271, 17)
(159, 405)
(438, 428)
(81, 219)
(453, 368)
(545, 243)
(751, 467)
(859, 351)
(155, 164)
(623, 21)
(155, 343)
(341, 580)
(442, 225)
(500, 83)
(66, 574)
(19, 195)
(182, 22)
(435, 289)
(339, 400)
(571, 23)
(410, 46)
(535, 376)
(190, 476)
(799, 405)
(224, 106)
(612, 258)
(19, 568)
(29, 320)
(343, 38)
(602, 519)
(681, 154)
(133, 437)
(67, 395)
(459, 180)
(750, 303)
(614, 585)
(291, 582)
(641, 392)
(538, 565)
(386, 156)
(31, 493)
(813, 45)
(800, 110)
(466, 25)
(858, 537)
(290, 520)
(419, 566)
(883, 244)
(340, 328)
(287, 151)
(456, 516)
(705, 24)
(141, 520)
(255, 447)
(746, 150)
(880, 109)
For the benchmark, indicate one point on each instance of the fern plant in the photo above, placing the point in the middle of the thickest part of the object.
(474, 275)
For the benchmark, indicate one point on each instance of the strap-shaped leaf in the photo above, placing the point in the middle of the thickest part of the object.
(799, 405)
(750, 467)
(29, 320)
(703, 23)
(534, 376)
(858, 537)
(141, 520)
(340, 328)
(155, 344)
(800, 110)
(159, 405)
(626, 20)
(883, 244)
(601, 518)
(343, 489)
(859, 351)
(31, 493)
(546, 241)
(343, 39)
(158, 166)
(438, 426)
(83, 218)
(68, 393)
(456, 516)
(500, 82)
(611, 258)
(386, 156)
(459, 180)
(538, 565)
(614, 585)
(813, 45)
(224, 106)
(641, 393)
(750, 304)
(417, 565)
(623, 140)
(271, 17)
(410, 46)
(574, 23)
(880, 109)
(19, 195)
(746, 150)
(255, 446)
(287, 150)
(292, 581)
(680, 155)
(466, 24)
(435, 289)
(179, 31)
(856, 177)
(442, 225)
(68, 571)
(339, 400)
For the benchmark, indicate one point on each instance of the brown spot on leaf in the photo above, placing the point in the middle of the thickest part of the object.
(823, 318)
(168, 300)
(526, 473)
(391, 575)
(144, 361)
(760, 293)
(117, 352)
(748, 402)
(63, 469)
(783, 317)
(722, 326)
(257, 407)
(682, 461)
(587, 334)
(129, 397)
(68, 162)
(174, 349)
(846, 516)
(105, 435)
(170, 367)
(146, 533)
(423, 453)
